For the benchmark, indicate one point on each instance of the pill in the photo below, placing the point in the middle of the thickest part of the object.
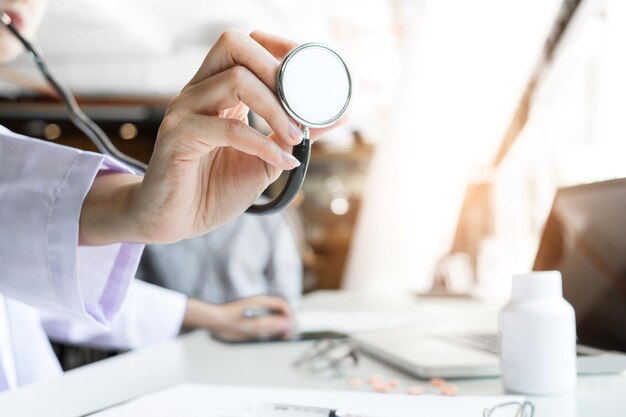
(376, 379)
(355, 382)
(437, 382)
(393, 383)
(415, 390)
(382, 388)
(449, 390)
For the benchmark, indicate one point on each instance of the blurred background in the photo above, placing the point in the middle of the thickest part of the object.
(466, 117)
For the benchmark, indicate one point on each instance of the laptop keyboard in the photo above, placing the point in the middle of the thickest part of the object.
(487, 342)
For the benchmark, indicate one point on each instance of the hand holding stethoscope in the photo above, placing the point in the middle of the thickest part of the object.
(206, 137)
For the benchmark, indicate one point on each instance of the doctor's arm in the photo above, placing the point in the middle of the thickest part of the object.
(152, 314)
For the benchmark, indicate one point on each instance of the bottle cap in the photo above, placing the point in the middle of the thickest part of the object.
(544, 284)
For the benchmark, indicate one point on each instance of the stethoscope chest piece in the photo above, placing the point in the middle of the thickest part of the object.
(314, 88)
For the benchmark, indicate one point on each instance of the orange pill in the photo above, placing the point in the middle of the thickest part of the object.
(376, 379)
(355, 382)
(393, 383)
(449, 390)
(437, 382)
(415, 390)
(382, 388)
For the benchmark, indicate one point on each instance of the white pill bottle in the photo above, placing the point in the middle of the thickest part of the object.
(538, 337)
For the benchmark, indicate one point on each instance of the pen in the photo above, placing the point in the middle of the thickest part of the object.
(290, 410)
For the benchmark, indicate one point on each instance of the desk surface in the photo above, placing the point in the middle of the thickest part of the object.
(197, 358)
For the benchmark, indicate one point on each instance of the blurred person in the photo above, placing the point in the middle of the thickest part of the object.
(252, 255)
(74, 223)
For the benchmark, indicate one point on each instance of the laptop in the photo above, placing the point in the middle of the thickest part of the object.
(585, 239)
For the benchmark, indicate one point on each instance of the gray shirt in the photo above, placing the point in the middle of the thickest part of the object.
(251, 255)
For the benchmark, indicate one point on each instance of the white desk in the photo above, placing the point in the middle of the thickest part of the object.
(197, 358)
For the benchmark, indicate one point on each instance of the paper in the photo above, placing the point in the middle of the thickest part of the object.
(195, 400)
(354, 321)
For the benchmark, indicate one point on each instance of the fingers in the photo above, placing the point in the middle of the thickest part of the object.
(245, 69)
(318, 133)
(275, 45)
(269, 326)
(242, 137)
(236, 85)
(277, 304)
(230, 132)
(235, 47)
(258, 328)
(280, 323)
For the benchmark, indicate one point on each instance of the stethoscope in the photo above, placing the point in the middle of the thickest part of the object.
(314, 87)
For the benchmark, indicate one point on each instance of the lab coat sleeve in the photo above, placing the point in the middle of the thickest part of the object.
(42, 188)
(284, 272)
(149, 315)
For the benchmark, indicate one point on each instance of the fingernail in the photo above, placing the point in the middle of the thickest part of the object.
(290, 159)
(295, 132)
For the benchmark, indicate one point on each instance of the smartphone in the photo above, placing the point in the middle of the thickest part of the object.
(296, 338)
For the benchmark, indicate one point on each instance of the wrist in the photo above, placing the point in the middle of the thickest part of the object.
(200, 314)
(106, 215)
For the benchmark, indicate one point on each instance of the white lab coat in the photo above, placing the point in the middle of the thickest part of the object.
(81, 290)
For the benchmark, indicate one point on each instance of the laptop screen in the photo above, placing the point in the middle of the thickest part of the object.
(585, 239)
